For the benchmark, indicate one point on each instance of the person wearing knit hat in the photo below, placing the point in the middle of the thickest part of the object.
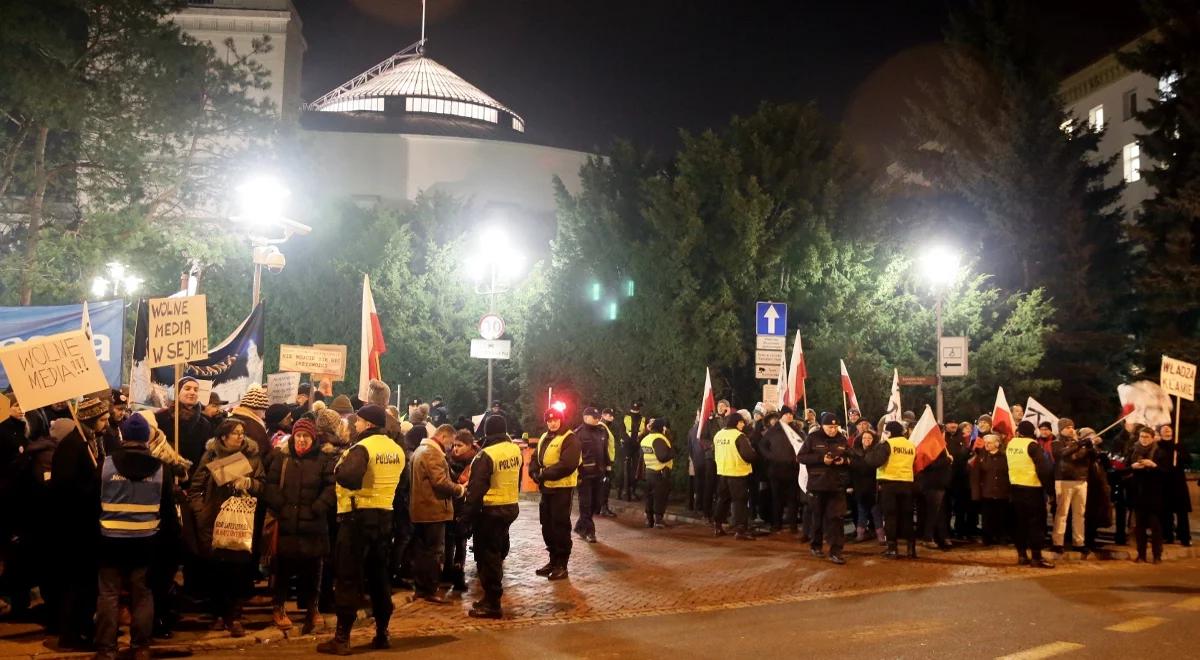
(1027, 467)
(367, 475)
(251, 411)
(1073, 458)
(341, 405)
(332, 428)
(826, 453)
(278, 419)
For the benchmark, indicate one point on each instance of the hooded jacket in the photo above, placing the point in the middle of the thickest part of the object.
(205, 497)
(133, 461)
(593, 447)
(299, 491)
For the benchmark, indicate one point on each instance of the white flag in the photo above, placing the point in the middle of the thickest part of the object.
(782, 390)
(87, 322)
(1037, 413)
(894, 411)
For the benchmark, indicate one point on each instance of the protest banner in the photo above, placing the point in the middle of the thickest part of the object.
(282, 387)
(1177, 378)
(178, 330)
(312, 359)
(52, 369)
(19, 324)
(336, 377)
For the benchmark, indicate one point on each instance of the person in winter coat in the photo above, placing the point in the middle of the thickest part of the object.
(932, 482)
(958, 501)
(195, 429)
(229, 571)
(868, 516)
(658, 458)
(489, 509)
(989, 487)
(828, 460)
(554, 466)
(299, 492)
(331, 432)
(892, 458)
(462, 453)
(12, 447)
(1177, 502)
(431, 506)
(1028, 468)
(278, 419)
(1098, 512)
(32, 471)
(251, 411)
(1073, 458)
(593, 447)
(780, 443)
(734, 458)
(1148, 460)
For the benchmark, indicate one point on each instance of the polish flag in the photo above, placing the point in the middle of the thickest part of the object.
(928, 440)
(848, 387)
(372, 345)
(894, 413)
(1002, 420)
(796, 375)
(707, 403)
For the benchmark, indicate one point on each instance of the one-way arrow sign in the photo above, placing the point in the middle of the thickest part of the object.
(771, 319)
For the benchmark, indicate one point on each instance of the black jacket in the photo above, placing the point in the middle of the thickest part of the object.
(989, 476)
(75, 492)
(824, 478)
(479, 484)
(194, 432)
(935, 476)
(776, 446)
(862, 471)
(1149, 484)
(299, 492)
(1072, 459)
(1175, 489)
(593, 448)
(568, 460)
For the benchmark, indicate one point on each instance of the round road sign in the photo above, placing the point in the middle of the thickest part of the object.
(491, 326)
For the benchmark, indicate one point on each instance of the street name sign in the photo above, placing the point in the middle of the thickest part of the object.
(770, 343)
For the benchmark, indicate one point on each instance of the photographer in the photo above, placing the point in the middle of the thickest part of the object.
(826, 454)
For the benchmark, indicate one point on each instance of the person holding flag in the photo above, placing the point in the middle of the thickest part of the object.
(1027, 464)
(1001, 421)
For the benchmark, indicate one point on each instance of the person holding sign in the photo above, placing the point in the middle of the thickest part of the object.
(1177, 503)
(195, 429)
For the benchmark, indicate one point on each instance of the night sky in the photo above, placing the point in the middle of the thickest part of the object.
(583, 72)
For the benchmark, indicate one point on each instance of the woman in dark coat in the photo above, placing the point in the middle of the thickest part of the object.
(229, 571)
(300, 494)
(868, 517)
(990, 487)
(1148, 461)
(1097, 512)
(1177, 502)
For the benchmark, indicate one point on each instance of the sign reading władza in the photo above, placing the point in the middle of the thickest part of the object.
(178, 330)
(51, 369)
(313, 360)
(1178, 378)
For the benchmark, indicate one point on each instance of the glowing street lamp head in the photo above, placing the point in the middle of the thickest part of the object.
(261, 200)
(939, 265)
(99, 287)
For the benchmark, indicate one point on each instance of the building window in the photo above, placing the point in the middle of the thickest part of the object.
(355, 105)
(1096, 118)
(1131, 155)
(456, 108)
(518, 125)
(1129, 105)
(1166, 85)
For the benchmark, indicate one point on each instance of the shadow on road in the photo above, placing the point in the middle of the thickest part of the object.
(1159, 589)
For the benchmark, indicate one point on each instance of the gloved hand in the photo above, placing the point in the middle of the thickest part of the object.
(242, 484)
(163, 451)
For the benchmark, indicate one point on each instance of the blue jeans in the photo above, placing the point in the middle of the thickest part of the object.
(868, 510)
(108, 608)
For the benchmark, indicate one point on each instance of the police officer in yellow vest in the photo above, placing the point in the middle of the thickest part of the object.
(608, 421)
(633, 427)
(555, 468)
(1027, 463)
(657, 456)
(893, 459)
(489, 510)
(367, 476)
(734, 457)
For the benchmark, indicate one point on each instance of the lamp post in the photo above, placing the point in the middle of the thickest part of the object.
(261, 202)
(493, 270)
(120, 282)
(939, 266)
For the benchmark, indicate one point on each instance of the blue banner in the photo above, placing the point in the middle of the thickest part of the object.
(18, 324)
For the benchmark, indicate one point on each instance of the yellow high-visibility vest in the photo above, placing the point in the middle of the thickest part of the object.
(1021, 469)
(551, 456)
(899, 466)
(648, 455)
(506, 474)
(729, 461)
(385, 464)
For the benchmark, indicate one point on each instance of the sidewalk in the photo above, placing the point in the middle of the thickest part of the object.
(631, 572)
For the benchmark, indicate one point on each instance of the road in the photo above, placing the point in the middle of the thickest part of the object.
(1125, 611)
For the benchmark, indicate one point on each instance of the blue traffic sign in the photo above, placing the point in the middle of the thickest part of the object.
(771, 319)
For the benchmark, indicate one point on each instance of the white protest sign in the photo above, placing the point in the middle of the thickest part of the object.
(52, 369)
(178, 330)
(1178, 378)
(324, 360)
(340, 348)
(281, 387)
(1036, 413)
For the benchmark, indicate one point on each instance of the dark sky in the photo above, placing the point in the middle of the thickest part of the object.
(582, 72)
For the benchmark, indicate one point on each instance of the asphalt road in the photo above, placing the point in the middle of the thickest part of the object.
(1131, 611)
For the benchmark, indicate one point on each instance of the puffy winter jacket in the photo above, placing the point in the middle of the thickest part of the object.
(299, 492)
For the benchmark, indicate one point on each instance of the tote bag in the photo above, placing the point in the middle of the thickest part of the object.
(233, 529)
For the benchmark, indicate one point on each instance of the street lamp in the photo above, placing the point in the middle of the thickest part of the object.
(493, 269)
(261, 202)
(939, 266)
(120, 282)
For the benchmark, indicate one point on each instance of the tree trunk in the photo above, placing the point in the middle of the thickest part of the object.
(37, 203)
(10, 159)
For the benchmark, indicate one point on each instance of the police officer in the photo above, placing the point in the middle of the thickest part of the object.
(593, 451)
(657, 455)
(734, 456)
(633, 427)
(893, 459)
(490, 508)
(608, 420)
(827, 456)
(555, 468)
(1026, 465)
(367, 476)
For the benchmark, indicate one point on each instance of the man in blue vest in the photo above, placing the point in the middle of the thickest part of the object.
(135, 497)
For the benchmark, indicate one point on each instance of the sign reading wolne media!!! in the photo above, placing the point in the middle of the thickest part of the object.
(326, 359)
(178, 330)
(51, 369)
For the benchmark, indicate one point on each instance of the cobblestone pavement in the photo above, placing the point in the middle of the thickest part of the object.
(633, 571)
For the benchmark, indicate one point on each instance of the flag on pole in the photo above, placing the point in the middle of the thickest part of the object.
(1145, 403)
(894, 410)
(1037, 413)
(87, 322)
(783, 392)
(928, 440)
(372, 345)
(1003, 423)
(848, 388)
(796, 375)
(707, 403)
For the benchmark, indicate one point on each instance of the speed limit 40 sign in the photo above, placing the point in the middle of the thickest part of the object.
(491, 326)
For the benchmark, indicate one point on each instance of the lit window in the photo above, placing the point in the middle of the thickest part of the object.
(455, 108)
(1131, 155)
(1096, 118)
(1166, 85)
(518, 125)
(1129, 105)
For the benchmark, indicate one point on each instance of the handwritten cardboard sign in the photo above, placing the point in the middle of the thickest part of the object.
(178, 330)
(340, 348)
(1178, 378)
(282, 387)
(51, 369)
(312, 360)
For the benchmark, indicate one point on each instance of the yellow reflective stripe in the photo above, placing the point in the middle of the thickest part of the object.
(130, 526)
(129, 508)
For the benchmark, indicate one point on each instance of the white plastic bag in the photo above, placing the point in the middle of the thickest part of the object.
(234, 528)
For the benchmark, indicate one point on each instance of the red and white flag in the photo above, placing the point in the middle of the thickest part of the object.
(707, 403)
(796, 375)
(372, 345)
(928, 440)
(848, 388)
(1003, 424)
